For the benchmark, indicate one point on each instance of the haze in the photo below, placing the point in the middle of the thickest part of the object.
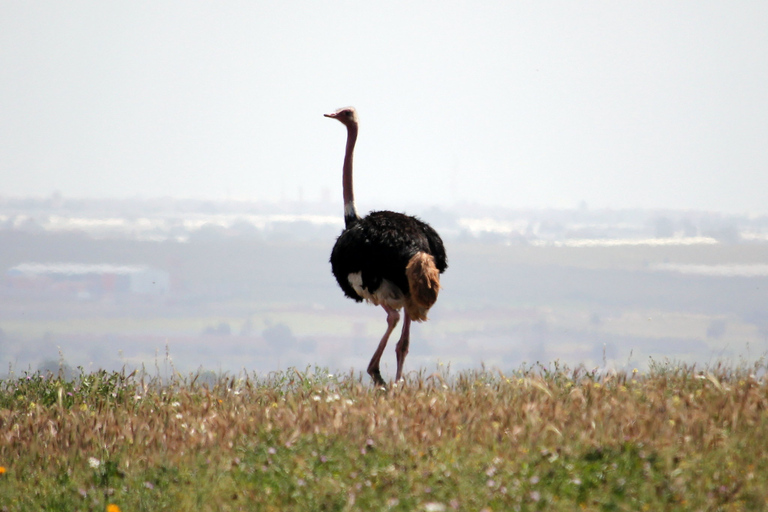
(516, 104)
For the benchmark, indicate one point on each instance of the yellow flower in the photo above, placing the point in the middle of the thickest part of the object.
(113, 508)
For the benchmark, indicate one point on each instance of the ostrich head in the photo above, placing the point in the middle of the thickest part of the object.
(347, 116)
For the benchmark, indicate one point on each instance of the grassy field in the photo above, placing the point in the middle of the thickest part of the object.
(542, 438)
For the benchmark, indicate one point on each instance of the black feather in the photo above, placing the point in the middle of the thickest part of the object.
(380, 246)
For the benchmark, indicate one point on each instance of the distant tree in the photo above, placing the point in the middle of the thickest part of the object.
(664, 227)
(307, 346)
(716, 329)
(247, 327)
(56, 369)
(689, 228)
(726, 233)
(279, 337)
(207, 378)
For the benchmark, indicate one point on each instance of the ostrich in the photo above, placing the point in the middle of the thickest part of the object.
(386, 258)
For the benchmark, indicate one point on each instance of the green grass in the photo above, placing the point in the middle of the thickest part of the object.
(552, 438)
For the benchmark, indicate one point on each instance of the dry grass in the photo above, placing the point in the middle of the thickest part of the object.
(540, 439)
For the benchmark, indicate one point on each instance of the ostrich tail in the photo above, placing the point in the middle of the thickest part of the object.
(424, 283)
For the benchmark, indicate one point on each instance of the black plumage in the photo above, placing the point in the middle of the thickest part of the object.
(380, 246)
(387, 258)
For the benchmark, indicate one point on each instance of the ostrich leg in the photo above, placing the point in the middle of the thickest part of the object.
(373, 367)
(402, 346)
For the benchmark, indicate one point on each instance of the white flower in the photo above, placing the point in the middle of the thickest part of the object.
(94, 462)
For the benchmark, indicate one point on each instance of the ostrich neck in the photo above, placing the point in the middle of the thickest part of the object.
(350, 213)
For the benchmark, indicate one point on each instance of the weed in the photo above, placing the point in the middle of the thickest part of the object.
(545, 437)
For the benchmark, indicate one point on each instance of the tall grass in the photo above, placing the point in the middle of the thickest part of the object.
(540, 438)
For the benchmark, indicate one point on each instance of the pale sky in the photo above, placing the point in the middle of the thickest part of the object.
(513, 103)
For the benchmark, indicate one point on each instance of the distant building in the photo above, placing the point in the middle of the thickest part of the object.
(88, 280)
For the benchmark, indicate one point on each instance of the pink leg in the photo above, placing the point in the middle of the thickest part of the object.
(373, 367)
(402, 346)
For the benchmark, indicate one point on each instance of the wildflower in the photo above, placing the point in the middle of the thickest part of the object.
(94, 462)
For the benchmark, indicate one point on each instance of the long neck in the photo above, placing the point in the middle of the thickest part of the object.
(350, 213)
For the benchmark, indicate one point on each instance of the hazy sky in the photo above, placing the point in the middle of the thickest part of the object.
(515, 103)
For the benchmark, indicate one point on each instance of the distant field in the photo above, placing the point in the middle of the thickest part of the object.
(539, 438)
(500, 305)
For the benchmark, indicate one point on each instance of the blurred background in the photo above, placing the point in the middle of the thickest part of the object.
(169, 187)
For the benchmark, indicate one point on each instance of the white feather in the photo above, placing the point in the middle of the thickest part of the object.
(387, 293)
